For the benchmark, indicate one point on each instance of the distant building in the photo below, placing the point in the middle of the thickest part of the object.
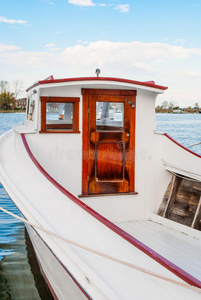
(21, 103)
(178, 111)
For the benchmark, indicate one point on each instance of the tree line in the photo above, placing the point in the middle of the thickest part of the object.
(172, 106)
(8, 97)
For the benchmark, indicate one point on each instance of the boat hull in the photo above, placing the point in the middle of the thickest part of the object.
(59, 280)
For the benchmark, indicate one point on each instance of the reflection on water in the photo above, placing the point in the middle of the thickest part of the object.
(20, 276)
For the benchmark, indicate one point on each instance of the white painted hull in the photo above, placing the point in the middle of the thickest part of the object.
(98, 277)
(59, 280)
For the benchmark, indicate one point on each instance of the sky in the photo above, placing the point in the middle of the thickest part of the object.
(133, 39)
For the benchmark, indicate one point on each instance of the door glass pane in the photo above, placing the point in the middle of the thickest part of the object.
(109, 116)
(59, 115)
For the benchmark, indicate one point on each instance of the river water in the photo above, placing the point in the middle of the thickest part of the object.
(20, 276)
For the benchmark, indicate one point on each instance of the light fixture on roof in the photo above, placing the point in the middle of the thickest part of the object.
(97, 72)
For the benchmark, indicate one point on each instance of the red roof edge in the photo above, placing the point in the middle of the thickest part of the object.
(52, 80)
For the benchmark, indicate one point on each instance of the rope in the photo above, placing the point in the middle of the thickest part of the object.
(122, 262)
(194, 145)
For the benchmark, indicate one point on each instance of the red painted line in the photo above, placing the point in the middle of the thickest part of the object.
(178, 144)
(145, 249)
(47, 280)
(146, 83)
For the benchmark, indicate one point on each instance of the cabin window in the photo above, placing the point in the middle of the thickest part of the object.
(109, 115)
(60, 114)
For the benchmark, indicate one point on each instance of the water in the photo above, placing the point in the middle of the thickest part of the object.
(184, 128)
(20, 277)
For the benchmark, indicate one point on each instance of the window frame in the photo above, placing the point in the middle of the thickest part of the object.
(75, 125)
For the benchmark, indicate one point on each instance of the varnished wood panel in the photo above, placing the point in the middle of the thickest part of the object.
(109, 92)
(107, 166)
(109, 162)
(85, 152)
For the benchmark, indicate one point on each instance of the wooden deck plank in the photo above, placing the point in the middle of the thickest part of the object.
(181, 249)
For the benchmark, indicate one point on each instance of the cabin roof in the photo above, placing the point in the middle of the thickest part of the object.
(51, 80)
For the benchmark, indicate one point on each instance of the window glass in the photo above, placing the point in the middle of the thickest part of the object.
(59, 115)
(109, 115)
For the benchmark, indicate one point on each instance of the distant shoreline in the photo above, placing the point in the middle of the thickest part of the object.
(12, 111)
(163, 111)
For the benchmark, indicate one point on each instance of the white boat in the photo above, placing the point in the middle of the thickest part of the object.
(112, 207)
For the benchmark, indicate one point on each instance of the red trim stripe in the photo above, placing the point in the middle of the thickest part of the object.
(146, 83)
(47, 280)
(180, 145)
(145, 249)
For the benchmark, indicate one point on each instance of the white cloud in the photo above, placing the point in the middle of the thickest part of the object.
(49, 45)
(179, 41)
(103, 52)
(51, 3)
(82, 42)
(123, 8)
(164, 63)
(11, 21)
(189, 73)
(82, 2)
(102, 4)
(8, 48)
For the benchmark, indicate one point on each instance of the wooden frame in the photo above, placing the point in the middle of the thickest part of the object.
(58, 128)
(87, 93)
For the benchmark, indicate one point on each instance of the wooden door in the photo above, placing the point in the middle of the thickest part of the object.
(108, 141)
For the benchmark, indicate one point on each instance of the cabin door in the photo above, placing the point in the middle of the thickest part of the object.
(108, 141)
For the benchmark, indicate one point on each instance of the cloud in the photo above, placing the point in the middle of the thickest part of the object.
(82, 2)
(102, 53)
(82, 42)
(8, 48)
(171, 65)
(189, 73)
(123, 8)
(179, 41)
(49, 45)
(11, 21)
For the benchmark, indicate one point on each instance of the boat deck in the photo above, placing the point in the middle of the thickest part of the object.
(181, 249)
(44, 204)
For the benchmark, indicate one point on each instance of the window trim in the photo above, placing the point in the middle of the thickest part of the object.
(74, 100)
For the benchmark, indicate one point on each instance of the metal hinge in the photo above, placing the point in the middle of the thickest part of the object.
(132, 103)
